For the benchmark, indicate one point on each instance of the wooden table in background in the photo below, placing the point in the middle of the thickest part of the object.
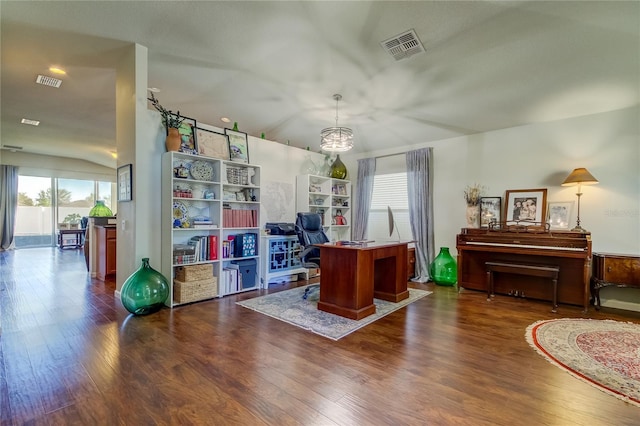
(75, 242)
(352, 275)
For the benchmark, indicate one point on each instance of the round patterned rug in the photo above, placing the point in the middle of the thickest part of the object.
(603, 353)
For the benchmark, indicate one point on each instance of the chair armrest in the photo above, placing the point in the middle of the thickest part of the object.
(307, 263)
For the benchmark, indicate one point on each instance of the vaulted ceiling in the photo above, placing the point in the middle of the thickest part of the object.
(274, 66)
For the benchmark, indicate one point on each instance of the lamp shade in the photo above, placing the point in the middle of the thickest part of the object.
(580, 176)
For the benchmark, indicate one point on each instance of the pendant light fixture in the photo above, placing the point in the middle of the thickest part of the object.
(336, 139)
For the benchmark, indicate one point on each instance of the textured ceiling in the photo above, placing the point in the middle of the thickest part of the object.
(274, 66)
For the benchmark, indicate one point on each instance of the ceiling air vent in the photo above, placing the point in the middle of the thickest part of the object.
(48, 81)
(403, 45)
(12, 147)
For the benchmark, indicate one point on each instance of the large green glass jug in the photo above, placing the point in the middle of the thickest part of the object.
(145, 291)
(100, 210)
(443, 269)
(338, 169)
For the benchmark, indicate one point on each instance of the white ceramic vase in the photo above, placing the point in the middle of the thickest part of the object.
(473, 216)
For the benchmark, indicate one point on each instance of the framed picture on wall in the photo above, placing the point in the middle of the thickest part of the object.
(559, 214)
(238, 146)
(525, 205)
(490, 210)
(212, 144)
(187, 131)
(124, 183)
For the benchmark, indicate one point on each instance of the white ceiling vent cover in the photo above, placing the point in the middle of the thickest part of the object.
(403, 45)
(48, 81)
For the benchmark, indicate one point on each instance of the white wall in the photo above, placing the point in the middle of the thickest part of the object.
(59, 167)
(542, 156)
(280, 164)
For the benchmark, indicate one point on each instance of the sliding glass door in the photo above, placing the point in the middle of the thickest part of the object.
(34, 218)
(47, 204)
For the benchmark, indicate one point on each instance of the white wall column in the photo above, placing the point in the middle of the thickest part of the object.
(137, 134)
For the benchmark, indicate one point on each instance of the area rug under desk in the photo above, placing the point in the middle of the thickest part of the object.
(603, 353)
(289, 306)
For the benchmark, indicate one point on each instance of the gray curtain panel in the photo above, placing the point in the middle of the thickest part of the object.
(8, 205)
(364, 190)
(420, 188)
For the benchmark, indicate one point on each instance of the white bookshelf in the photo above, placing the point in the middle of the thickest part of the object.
(329, 197)
(197, 195)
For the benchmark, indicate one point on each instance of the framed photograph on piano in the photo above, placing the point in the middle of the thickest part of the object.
(559, 214)
(525, 205)
(490, 210)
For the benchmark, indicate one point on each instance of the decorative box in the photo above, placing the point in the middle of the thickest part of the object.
(194, 272)
(193, 291)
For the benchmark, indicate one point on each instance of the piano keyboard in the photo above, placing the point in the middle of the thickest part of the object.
(530, 246)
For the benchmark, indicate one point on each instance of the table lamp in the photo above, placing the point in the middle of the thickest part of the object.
(580, 176)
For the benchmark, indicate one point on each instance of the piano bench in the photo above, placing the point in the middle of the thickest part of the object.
(545, 271)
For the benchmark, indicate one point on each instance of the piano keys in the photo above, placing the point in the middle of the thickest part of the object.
(570, 251)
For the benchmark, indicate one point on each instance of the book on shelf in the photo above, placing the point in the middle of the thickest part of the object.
(205, 247)
(232, 218)
(235, 277)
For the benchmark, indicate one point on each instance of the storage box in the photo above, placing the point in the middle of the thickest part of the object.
(245, 245)
(193, 291)
(247, 269)
(194, 272)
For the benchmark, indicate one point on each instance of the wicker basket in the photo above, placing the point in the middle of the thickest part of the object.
(194, 272)
(193, 291)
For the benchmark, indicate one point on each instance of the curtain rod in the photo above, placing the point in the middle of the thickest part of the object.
(390, 155)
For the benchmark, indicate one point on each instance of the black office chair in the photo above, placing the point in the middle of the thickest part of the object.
(310, 231)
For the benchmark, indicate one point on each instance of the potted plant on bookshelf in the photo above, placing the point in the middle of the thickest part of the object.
(171, 121)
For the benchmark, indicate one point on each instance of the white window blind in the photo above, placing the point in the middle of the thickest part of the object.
(389, 190)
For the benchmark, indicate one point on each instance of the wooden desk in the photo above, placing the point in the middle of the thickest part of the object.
(75, 242)
(352, 275)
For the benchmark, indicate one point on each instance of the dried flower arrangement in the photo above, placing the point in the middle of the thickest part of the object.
(473, 193)
(169, 119)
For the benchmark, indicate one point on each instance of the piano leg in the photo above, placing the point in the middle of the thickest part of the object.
(555, 294)
(489, 285)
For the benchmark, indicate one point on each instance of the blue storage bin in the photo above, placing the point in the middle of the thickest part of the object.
(248, 270)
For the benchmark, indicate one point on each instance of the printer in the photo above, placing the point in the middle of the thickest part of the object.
(280, 228)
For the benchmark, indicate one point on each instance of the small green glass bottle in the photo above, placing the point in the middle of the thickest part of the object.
(145, 291)
(443, 269)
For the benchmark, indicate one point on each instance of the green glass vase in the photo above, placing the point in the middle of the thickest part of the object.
(443, 269)
(145, 291)
(100, 210)
(338, 169)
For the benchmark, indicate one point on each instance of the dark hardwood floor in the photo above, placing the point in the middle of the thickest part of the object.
(70, 354)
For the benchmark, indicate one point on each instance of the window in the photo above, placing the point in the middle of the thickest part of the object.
(75, 198)
(389, 190)
(45, 202)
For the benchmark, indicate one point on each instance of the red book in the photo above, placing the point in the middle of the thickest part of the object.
(213, 247)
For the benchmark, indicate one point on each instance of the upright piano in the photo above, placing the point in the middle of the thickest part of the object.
(535, 244)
